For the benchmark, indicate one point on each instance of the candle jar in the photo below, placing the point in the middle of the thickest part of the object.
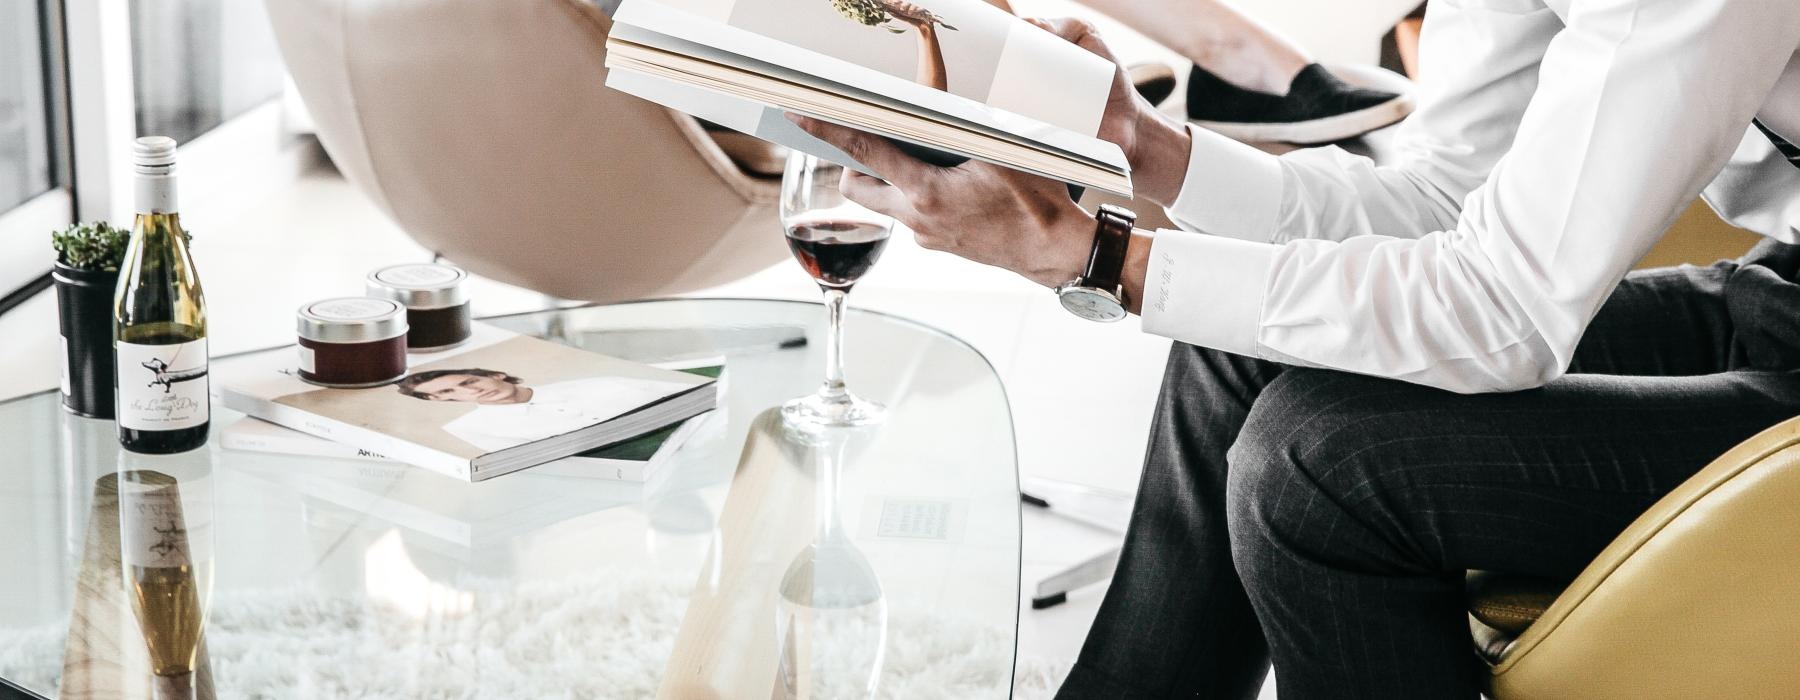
(352, 342)
(437, 308)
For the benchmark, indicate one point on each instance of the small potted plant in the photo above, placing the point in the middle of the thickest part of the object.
(86, 273)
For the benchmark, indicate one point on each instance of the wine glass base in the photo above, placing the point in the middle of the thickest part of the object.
(843, 410)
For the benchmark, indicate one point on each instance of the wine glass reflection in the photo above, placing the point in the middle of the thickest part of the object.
(831, 616)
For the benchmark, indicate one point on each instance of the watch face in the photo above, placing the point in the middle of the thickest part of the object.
(1092, 304)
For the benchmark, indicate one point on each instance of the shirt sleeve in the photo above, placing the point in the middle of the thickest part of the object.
(1757, 190)
(1475, 262)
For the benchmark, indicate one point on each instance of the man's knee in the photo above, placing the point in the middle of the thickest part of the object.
(1294, 467)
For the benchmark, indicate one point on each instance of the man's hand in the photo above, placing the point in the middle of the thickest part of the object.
(1155, 144)
(986, 213)
(1005, 218)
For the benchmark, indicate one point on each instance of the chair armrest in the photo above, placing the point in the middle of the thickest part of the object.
(1699, 597)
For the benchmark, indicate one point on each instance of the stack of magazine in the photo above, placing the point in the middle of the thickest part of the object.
(955, 78)
(497, 404)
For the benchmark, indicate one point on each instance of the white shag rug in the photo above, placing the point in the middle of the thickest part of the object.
(568, 639)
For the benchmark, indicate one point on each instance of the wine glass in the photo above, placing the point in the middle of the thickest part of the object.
(836, 240)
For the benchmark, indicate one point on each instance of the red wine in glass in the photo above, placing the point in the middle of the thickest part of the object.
(836, 252)
(837, 241)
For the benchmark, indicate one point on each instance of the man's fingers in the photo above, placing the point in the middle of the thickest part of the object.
(870, 192)
(868, 149)
(1076, 31)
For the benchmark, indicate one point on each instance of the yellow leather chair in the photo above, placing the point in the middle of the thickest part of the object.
(1698, 598)
(484, 128)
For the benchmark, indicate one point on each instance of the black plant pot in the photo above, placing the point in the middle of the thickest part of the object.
(84, 301)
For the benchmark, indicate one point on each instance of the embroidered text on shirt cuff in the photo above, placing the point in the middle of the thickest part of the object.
(1207, 290)
(1230, 189)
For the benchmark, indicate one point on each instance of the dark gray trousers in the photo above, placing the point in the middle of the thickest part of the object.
(1325, 520)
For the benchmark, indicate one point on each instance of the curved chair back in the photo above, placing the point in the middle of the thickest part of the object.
(484, 128)
(1697, 598)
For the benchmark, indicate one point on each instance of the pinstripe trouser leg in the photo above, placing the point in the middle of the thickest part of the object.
(1325, 520)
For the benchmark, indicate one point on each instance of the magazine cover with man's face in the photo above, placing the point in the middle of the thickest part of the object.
(501, 391)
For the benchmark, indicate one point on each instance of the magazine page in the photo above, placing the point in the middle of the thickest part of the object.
(961, 113)
(770, 124)
(953, 57)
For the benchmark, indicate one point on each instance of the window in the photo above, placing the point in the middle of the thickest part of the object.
(80, 78)
(34, 174)
(198, 63)
(26, 168)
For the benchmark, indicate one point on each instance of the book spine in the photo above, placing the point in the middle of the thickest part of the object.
(589, 468)
(295, 444)
(302, 445)
(363, 438)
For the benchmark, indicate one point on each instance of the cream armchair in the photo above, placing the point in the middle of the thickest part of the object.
(484, 128)
(1698, 598)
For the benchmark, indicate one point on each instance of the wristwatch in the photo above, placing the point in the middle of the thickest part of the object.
(1097, 294)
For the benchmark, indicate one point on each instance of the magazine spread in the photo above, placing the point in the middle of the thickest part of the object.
(500, 403)
(954, 75)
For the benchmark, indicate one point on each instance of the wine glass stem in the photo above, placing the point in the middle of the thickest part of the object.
(834, 344)
(826, 493)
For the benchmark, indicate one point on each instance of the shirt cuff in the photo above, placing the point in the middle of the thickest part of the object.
(1207, 290)
(1230, 189)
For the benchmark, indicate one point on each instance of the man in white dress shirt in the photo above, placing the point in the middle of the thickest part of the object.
(1389, 374)
(512, 414)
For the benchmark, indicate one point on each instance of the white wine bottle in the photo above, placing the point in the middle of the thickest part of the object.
(159, 319)
(159, 561)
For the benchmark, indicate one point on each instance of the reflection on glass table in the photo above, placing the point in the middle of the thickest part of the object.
(764, 564)
(831, 618)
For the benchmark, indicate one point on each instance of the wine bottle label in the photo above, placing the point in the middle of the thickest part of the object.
(152, 530)
(163, 387)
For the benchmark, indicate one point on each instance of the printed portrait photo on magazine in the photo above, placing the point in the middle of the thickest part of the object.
(509, 412)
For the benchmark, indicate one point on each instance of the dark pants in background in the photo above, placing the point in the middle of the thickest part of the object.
(1326, 519)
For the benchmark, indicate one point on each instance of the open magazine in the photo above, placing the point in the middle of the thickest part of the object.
(957, 76)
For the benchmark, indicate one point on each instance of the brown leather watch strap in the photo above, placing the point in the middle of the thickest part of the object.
(1106, 262)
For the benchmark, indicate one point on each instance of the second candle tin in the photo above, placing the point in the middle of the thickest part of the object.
(437, 307)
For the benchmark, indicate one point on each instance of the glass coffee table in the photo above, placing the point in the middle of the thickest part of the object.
(760, 563)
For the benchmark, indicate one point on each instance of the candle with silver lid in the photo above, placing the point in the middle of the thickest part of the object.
(437, 307)
(352, 342)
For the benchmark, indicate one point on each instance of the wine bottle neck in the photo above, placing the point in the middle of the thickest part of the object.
(156, 193)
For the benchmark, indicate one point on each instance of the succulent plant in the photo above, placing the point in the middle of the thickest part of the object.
(94, 246)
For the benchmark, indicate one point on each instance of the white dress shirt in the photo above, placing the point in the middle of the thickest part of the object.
(1554, 143)
(557, 408)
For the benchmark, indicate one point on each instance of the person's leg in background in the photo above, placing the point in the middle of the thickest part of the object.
(1215, 37)
(1251, 83)
(1348, 488)
(1406, 40)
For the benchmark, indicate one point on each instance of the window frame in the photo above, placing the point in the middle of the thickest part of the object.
(24, 228)
(91, 78)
